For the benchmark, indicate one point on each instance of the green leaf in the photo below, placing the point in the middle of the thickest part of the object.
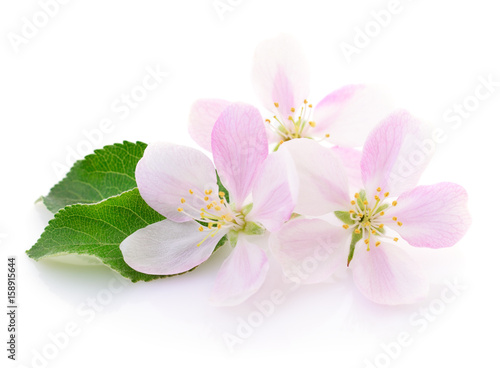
(98, 230)
(105, 173)
(355, 238)
(345, 217)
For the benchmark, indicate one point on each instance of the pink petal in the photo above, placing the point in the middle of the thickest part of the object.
(239, 146)
(310, 250)
(167, 172)
(388, 275)
(433, 216)
(395, 154)
(323, 183)
(204, 114)
(168, 248)
(281, 74)
(351, 159)
(350, 113)
(241, 274)
(275, 191)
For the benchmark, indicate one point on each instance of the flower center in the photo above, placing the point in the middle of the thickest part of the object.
(295, 125)
(212, 211)
(368, 218)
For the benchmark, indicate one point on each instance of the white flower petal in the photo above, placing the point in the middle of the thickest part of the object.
(241, 275)
(167, 172)
(168, 248)
(323, 182)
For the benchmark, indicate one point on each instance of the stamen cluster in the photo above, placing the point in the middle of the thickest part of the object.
(215, 214)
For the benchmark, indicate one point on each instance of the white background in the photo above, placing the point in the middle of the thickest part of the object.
(64, 80)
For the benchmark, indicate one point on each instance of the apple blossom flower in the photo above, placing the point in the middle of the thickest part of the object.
(281, 80)
(389, 210)
(181, 183)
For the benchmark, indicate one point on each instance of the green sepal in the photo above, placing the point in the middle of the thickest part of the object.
(381, 208)
(252, 228)
(345, 217)
(222, 188)
(232, 236)
(361, 199)
(355, 238)
(246, 210)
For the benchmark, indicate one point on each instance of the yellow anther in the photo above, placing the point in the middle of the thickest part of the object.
(206, 198)
(379, 189)
(351, 211)
(400, 223)
(312, 124)
(386, 194)
(222, 194)
(305, 102)
(180, 209)
(357, 231)
(377, 244)
(281, 142)
(377, 198)
(208, 191)
(310, 105)
(292, 109)
(381, 226)
(219, 226)
(200, 228)
(327, 135)
(365, 202)
(395, 203)
(210, 225)
(367, 241)
(276, 104)
(183, 200)
(353, 203)
(191, 191)
(221, 201)
(268, 121)
(345, 226)
(382, 213)
(290, 118)
(396, 239)
(374, 232)
(395, 218)
(217, 208)
(356, 195)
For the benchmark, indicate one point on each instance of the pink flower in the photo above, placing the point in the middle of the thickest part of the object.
(181, 184)
(389, 207)
(281, 80)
